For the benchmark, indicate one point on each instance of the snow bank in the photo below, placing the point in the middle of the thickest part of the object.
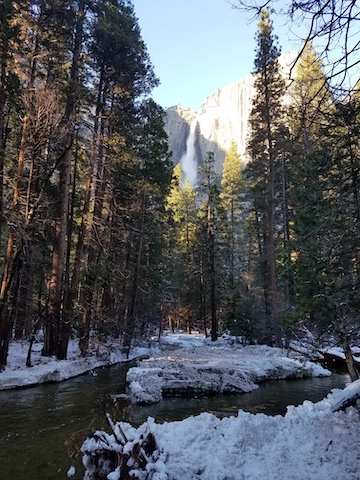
(310, 442)
(48, 369)
(207, 367)
(344, 397)
(185, 364)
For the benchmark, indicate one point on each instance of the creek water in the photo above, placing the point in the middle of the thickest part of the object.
(41, 428)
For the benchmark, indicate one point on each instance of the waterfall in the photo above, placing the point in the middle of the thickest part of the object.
(188, 161)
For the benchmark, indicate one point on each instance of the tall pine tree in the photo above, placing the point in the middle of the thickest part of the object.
(264, 148)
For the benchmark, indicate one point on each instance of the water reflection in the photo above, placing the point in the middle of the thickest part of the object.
(270, 398)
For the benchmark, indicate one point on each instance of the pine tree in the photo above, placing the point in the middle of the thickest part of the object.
(50, 148)
(181, 203)
(232, 201)
(122, 74)
(232, 197)
(324, 234)
(311, 100)
(309, 115)
(342, 235)
(144, 291)
(58, 330)
(264, 148)
(209, 213)
(8, 37)
(9, 79)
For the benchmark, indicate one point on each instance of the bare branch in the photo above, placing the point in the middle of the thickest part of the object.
(332, 25)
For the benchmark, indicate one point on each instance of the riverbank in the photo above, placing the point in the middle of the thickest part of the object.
(194, 365)
(48, 369)
(178, 364)
(311, 442)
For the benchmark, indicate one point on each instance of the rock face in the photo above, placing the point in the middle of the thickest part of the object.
(222, 118)
(177, 126)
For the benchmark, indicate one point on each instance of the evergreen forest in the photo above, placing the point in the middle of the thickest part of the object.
(100, 238)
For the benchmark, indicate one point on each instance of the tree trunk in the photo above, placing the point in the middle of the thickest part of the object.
(211, 246)
(10, 267)
(202, 309)
(3, 126)
(354, 374)
(61, 228)
(6, 309)
(130, 320)
(23, 311)
(95, 179)
(344, 340)
(55, 324)
(84, 327)
(271, 258)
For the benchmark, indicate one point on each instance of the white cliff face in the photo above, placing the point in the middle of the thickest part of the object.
(222, 118)
(177, 126)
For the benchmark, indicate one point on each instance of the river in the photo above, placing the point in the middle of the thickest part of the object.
(41, 426)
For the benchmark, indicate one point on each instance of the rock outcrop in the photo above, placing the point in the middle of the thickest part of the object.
(222, 118)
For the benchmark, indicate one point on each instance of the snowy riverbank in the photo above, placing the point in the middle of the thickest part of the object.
(311, 442)
(48, 369)
(193, 365)
(183, 363)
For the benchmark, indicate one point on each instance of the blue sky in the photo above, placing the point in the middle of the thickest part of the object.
(197, 46)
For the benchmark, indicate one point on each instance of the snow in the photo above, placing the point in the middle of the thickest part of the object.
(48, 369)
(312, 441)
(223, 366)
(339, 352)
(351, 392)
(194, 365)
(71, 472)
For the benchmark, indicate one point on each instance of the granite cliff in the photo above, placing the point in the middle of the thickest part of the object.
(222, 118)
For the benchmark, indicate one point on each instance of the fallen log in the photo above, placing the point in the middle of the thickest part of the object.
(347, 397)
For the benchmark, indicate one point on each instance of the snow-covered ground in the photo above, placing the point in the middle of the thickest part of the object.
(48, 369)
(311, 442)
(208, 365)
(195, 365)
(339, 352)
